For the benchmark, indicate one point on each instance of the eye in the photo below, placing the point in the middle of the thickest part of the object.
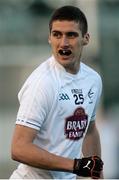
(56, 34)
(72, 35)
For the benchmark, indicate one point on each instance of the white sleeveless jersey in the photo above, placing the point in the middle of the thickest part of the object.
(60, 106)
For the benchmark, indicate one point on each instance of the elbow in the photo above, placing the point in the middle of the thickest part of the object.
(16, 154)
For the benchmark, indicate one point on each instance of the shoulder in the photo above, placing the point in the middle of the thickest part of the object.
(41, 72)
(91, 73)
(40, 80)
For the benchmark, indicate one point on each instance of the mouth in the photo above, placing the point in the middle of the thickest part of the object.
(65, 52)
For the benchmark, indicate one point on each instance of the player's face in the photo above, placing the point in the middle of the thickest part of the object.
(67, 44)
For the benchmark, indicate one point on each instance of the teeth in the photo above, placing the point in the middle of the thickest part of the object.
(65, 52)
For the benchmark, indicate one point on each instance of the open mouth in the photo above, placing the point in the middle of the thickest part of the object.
(65, 52)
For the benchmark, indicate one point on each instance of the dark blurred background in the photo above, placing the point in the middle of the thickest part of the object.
(24, 45)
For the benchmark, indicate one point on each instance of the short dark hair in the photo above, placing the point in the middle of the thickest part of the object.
(70, 13)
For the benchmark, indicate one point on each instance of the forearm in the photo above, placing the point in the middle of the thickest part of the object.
(34, 156)
(91, 144)
(23, 150)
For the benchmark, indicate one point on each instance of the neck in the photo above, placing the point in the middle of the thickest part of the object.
(73, 69)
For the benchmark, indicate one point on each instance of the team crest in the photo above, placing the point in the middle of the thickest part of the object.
(76, 124)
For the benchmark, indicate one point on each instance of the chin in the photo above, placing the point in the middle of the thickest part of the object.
(65, 59)
(66, 64)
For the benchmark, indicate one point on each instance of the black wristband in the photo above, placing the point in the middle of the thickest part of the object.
(76, 166)
(88, 167)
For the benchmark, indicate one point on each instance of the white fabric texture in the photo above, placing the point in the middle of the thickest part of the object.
(50, 100)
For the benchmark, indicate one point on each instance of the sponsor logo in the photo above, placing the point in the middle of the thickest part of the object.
(63, 96)
(86, 166)
(76, 124)
(90, 95)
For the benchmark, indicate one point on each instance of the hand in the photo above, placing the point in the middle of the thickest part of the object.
(88, 167)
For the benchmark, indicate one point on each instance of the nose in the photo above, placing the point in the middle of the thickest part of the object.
(64, 41)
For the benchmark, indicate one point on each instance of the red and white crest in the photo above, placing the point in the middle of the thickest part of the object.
(76, 124)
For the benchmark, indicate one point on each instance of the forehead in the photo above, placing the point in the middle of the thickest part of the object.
(65, 26)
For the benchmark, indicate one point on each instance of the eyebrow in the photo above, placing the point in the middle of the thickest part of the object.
(55, 31)
(67, 33)
(72, 33)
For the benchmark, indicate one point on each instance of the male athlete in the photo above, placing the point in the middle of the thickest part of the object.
(56, 118)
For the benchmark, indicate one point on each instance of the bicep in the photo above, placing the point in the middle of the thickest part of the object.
(92, 132)
(22, 135)
(91, 127)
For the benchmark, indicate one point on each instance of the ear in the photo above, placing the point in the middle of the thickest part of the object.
(49, 39)
(86, 39)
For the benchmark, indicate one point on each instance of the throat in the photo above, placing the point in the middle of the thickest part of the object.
(72, 69)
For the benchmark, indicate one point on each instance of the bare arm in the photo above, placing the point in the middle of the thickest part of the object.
(91, 144)
(23, 150)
